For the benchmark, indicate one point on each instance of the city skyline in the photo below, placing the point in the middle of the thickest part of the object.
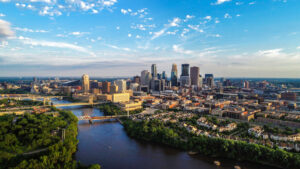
(111, 38)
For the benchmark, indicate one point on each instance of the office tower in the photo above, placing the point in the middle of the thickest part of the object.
(185, 69)
(200, 81)
(121, 85)
(143, 77)
(137, 79)
(148, 78)
(164, 75)
(154, 71)
(85, 83)
(246, 84)
(185, 77)
(106, 87)
(195, 71)
(94, 84)
(113, 89)
(209, 80)
(174, 75)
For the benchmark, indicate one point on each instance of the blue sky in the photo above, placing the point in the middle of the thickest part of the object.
(104, 38)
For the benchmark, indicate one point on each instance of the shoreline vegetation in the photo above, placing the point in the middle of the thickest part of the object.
(177, 137)
(109, 109)
(36, 141)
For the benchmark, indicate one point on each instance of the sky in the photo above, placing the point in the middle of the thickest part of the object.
(114, 38)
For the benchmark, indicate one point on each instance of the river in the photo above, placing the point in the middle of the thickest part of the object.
(106, 143)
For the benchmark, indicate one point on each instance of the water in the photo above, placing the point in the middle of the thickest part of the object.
(106, 143)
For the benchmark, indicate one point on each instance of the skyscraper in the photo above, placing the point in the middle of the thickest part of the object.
(185, 69)
(154, 71)
(85, 83)
(209, 80)
(174, 75)
(106, 87)
(121, 85)
(185, 77)
(195, 71)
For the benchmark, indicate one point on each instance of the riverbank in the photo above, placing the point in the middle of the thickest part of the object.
(39, 141)
(156, 131)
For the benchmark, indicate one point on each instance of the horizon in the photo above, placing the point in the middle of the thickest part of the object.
(110, 38)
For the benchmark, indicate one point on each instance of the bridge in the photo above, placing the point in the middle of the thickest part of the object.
(45, 99)
(90, 119)
(78, 104)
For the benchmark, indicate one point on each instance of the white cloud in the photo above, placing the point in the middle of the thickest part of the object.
(5, 30)
(118, 27)
(173, 23)
(188, 17)
(270, 53)
(208, 17)
(298, 47)
(138, 36)
(185, 30)
(118, 48)
(129, 35)
(2, 15)
(30, 30)
(219, 2)
(124, 11)
(33, 42)
(178, 49)
(196, 28)
(252, 3)
(79, 33)
(227, 16)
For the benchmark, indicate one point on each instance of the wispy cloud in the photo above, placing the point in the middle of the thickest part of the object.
(42, 43)
(30, 30)
(173, 23)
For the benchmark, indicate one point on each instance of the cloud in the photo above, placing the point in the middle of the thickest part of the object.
(30, 30)
(118, 48)
(33, 42)
(219, 2)
(58, 7)
(173, 23)
(129, 35)
(2, 15)
(270, 53)
(196, 28)
(227, 16)
(188, 17)
(178, 49)
(79, 33)
(208, 17)
(5, 30)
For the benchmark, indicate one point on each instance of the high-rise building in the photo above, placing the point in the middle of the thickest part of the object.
(143, 77)
(164, 75)
(121, 85)
(106, 87)
(185, 70)
(85, 83)
(113, 88)
(154, 71)
(209, 80)
(137, 79)
(185, 76)
(174, 75)
(195, 71)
